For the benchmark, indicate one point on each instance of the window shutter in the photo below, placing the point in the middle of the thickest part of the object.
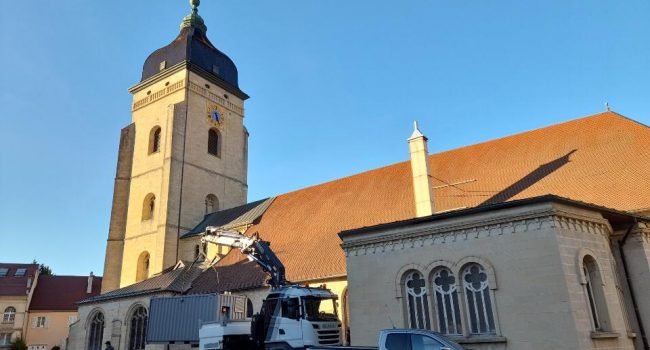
(46, 323)
(34, 320)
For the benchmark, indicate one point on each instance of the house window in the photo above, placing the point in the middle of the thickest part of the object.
(148, 207)
(446, 302)
(214, 142)
(416, 300)
(20, 272)
(477, 296)
(5, 338)
(211, 204)
(138, 329)
(9, 315)
(3, 272)
(595, 294)
(41, 322)
(96, 331)
(154, 140)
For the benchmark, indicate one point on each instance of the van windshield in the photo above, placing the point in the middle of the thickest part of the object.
(320, 309)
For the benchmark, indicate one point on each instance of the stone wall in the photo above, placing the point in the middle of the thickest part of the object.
(529, 254)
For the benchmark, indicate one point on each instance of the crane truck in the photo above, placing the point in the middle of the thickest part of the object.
(291, 317)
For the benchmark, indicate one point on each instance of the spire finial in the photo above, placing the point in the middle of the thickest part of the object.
(416, 131)
(193, 19)
(608, 107)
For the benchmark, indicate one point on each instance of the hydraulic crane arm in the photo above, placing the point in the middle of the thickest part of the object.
(253, 247)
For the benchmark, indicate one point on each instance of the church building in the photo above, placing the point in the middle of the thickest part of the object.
(533, 219)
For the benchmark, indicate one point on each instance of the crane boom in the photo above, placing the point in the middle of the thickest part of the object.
(253, 247)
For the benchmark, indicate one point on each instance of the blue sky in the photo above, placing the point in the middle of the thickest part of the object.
(334, 86)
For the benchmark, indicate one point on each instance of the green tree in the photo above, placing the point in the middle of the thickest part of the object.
(43, 269)
(18, 344)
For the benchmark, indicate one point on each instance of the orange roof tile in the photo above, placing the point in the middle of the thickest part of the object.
(602, 159)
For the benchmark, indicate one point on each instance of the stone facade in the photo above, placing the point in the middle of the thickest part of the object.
(180, 175)
(532, 256)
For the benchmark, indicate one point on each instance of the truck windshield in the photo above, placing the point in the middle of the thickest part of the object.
(320, 309)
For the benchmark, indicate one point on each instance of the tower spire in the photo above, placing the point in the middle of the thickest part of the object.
(193, 19)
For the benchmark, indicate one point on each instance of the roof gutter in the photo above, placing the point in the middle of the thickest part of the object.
(635, 306)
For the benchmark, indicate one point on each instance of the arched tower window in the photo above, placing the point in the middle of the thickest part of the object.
(96, 331)
(142, 272)
(477, 296)
(211, 203)
(138, 328)
(214, 142)
(197, 251)
(148, 206)
(595, 294)
(446, 301)
(154, 140)
(249, 308)
(9, 315)
(417, 305)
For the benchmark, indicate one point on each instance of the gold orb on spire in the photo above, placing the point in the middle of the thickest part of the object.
(195, 3)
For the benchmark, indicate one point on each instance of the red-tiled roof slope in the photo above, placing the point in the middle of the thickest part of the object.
(61, 293)
(601, 159)
(11, 285)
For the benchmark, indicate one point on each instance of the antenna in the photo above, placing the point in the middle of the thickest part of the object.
(388, 314)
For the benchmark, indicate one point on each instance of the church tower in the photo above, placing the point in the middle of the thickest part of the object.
(184, 154)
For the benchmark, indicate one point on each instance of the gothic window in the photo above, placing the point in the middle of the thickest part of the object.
(249, 308)
(96, 331)
(138, 329)
(154, 140)
(446, 302)
(214, 142)
(417, 304)
(142, 272)
(211, 204)
(9, 315)
(477, 297)
(595, 294)
(148, 207)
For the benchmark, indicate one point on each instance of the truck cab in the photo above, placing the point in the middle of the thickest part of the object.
(297, 317)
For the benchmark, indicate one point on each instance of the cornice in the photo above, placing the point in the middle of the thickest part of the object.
(441, 233)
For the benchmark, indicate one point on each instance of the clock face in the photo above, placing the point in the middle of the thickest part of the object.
(216, 115)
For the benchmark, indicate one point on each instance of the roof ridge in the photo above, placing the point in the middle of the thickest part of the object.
(537, 130)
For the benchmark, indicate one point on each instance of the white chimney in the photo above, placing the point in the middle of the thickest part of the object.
(422, 185)
(89, 287)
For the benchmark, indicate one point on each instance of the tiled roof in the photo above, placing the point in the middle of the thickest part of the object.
(232, 273)
(602, 159)
(12, 285)
(58, 293)
(233, 217)
(176, 280)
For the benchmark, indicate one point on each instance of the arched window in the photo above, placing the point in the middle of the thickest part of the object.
(249, 308)
(148, 207)
(417, 304)
(446, 302)
(154, 140)
(142, 272)
(9, 315)
(96, 331)
(214, 142)
(211, 203)
(197, 251)
(595, 294)
(477, 296)
(138, 329)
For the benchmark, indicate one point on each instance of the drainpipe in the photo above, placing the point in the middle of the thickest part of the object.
(622, 242)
